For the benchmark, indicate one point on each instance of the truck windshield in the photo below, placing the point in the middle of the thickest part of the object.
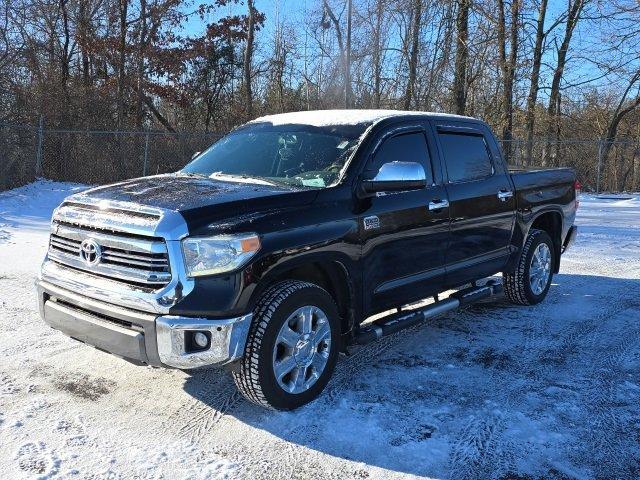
(295, 155)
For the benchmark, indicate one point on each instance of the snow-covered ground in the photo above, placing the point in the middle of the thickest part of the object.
(495, 391)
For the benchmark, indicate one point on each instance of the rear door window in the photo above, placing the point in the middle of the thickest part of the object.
(466, 156)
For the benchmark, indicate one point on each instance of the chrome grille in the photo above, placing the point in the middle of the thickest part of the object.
(126, 258)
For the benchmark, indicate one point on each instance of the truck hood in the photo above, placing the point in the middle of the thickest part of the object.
(200, 200)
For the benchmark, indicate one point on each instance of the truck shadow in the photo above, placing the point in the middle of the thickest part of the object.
(473, 393)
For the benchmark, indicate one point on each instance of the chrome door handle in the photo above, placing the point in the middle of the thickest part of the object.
(438, 204)
(504, 194)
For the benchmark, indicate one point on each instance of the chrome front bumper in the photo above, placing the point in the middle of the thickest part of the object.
(227, 339)
(140, 337)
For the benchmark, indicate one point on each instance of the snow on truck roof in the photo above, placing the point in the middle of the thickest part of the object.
(324, 118)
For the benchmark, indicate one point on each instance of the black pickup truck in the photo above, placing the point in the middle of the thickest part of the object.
(269, 251)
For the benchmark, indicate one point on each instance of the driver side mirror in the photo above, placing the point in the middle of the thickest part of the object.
(396, 177)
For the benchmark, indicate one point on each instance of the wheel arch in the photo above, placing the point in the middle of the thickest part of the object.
(551, 222)
(329, 274)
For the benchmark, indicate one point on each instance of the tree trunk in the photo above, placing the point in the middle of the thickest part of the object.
(554, 109)
(142, 47)
(122, 57)
(248, 57)
(534, 86)
(339, 39)
(413, 57)
(83, 33)
(348, 100)
(377, 55)
(462, 56)
(65, 54)
(508, 68)
(620, 112)
(161, 118)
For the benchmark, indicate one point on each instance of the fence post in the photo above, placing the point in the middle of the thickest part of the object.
(146, 153)
(599, 166)
(39, 172)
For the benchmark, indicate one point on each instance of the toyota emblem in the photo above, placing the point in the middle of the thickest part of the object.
(90, 252)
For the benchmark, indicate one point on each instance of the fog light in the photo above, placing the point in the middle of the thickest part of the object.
(200, 339)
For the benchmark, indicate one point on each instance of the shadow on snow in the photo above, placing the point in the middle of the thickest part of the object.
(491, 389)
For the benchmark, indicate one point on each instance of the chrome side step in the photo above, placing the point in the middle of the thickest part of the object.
(399, 321)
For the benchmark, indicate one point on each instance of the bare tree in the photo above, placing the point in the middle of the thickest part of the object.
(142, 48)
(333, 21)
(123, 9)
(462, 56)
(534, 85)
(248, 57)
(625, 106)
(416, 16)
(377, 53)
(508, 67)
(348, 93)
(574, 12)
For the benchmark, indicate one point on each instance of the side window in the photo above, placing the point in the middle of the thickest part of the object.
(407, 147)
(466, 156)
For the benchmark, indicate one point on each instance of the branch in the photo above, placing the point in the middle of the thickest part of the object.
(165, 123)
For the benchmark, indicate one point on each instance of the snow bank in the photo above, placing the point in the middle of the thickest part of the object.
(30, 207)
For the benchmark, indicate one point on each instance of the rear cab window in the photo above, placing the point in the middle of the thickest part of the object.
(466, 155)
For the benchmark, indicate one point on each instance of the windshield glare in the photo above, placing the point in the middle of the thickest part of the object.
(291, 155)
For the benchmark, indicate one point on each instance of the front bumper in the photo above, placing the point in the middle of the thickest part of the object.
(140, 337)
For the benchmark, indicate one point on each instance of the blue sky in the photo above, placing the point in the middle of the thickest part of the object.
(294, 12)
(268, 7)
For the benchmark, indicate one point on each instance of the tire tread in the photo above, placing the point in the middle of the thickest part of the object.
(514, 282)
(247, 377)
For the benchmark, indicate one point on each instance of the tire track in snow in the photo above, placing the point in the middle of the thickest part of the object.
(212, 395)
(610, 434)
(578, 336)
(350, 366)
(479, 452)
(583, 335)
(362, 356)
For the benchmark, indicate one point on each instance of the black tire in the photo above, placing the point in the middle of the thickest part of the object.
(255, 377)
(517, 287)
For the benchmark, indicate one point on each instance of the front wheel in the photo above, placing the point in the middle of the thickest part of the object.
(529, 283)
(292, 346)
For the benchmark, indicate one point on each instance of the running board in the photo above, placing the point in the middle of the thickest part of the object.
(399, 321)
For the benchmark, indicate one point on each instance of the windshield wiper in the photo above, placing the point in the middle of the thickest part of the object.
(240, 178)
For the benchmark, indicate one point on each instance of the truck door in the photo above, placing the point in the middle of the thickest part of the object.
(481, 199)
(404, 234)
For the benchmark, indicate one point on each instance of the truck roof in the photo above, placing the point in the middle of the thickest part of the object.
(324, 118)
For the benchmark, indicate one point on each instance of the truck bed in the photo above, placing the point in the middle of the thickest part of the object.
(536, 186)
(532, 177)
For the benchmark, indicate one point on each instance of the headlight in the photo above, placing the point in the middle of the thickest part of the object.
(221, 254)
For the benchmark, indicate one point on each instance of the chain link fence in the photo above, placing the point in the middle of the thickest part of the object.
(99, 157)
(92, 157)
(601, 166)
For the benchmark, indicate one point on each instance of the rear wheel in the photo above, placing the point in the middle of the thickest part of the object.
(529, 283)
(292, 346)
